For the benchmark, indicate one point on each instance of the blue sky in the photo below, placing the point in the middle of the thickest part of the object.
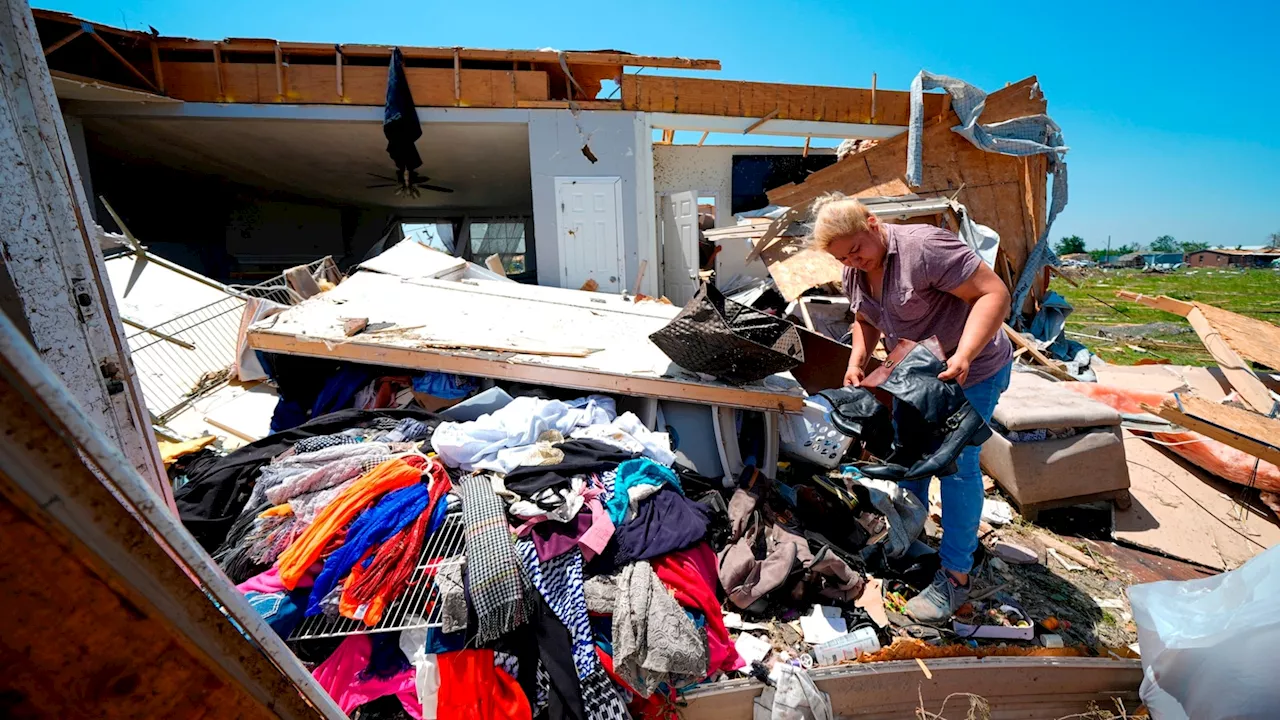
(1170, 130)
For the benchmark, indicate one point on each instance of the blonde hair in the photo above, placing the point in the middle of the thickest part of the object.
(834, 216)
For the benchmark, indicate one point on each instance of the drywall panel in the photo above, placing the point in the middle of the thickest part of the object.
(559, 145)
(709, 170)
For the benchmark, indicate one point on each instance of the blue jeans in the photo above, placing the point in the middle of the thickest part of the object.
(962, 492)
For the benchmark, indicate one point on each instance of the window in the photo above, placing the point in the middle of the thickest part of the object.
(754, 175)
(504, 237)
(437, 235)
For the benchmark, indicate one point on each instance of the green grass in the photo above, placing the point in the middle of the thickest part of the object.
(1255, 293)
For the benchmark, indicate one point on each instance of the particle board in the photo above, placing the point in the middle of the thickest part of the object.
(423, 313)
(1186, 513)
(1256, 340)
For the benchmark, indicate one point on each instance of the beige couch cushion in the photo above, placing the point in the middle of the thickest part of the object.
(1033, 403)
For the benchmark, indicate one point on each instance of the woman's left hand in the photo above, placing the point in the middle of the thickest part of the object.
(957, 369)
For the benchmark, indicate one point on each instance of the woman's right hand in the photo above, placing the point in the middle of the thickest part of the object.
(853, 376)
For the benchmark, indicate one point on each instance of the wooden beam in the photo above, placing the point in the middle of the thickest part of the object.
(703, 139)
(123, 61)
(1159, 302)
(155, 66)
(72, 36)
(734, 98)
(279, 73)
(217, 70)
(873, 97)
(805, 152)
(1243, 430)
(1057, 272)
(337, 64)
(1054, 368)
(761, 121)
(472, 364)
(564, 104)
(457, 77)
(1238, 373)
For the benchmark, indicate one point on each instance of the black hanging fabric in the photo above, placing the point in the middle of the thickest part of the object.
(400, 119)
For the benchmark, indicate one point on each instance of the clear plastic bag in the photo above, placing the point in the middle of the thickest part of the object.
(1209, 646)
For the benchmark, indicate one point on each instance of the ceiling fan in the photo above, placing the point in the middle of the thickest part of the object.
(407, 183)
(138, 249)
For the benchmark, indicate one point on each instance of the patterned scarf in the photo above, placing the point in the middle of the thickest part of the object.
(497, 584)
(559, 580)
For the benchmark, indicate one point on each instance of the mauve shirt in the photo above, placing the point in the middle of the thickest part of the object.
(923, 265)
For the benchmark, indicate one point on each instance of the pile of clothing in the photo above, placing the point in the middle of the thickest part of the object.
(594, 571)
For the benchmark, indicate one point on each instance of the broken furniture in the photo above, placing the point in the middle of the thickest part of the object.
(1081, 458)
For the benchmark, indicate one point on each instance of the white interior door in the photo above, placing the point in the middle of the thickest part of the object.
(680, 247)
(589, 228)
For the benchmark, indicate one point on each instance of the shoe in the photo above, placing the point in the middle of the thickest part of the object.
(939, 601)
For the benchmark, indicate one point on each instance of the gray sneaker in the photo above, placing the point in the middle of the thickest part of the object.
(938, 602)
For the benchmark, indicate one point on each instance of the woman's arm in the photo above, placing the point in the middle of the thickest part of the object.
(865, 337)
(988, 300)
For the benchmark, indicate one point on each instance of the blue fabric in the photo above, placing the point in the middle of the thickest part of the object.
(962, 492)
(439, 642)
(279, 609)
(339, 391)
(407, 430)
(641, 471)
(391, 514)
(444, 385)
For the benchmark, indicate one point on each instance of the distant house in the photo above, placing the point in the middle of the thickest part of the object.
(1163, 258)
(1126, 260)
(1222, 257)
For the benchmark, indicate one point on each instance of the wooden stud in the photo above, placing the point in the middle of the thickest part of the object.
(337, 61)
(873, 97)
(1238, 373)
(279, 73)
(761, 121)
(1159, 302)
(946, 106)
(644, 265)
(155, 66)
(703, 138)
(457, 77)
(1052, 366)
(123, 61)
(806, 147)
(77, 33)
(217, 67)
(515, 68)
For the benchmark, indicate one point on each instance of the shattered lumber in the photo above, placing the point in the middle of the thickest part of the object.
(1227, 336)
(1245, 431)
(1049, 364)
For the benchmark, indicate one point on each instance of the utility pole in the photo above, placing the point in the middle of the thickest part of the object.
(1107, 257)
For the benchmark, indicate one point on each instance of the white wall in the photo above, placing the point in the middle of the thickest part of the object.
(709, 170)
(620, 142)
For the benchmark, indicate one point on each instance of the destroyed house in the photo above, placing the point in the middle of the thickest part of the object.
(244, 156)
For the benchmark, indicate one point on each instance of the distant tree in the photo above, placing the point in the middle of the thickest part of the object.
(1273, 240)
(1190, 247)
(1070, 245)
(1164, 244)
(1098, 255)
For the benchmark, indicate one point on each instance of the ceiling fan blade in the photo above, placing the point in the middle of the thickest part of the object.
(140, 262)
(383, 185)
(437, 188)
(129, 239)
(382, 177)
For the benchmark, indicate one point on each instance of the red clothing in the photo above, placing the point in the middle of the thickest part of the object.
(471, 688)
(691, 574)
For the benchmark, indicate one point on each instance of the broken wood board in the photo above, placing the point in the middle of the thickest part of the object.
(795, 268)
(1046, 687)
(1243, 430)
(1053, 367)
(499, 314)
(1256, 340)
(1186, 513)
(1206, 382)
(1239, 374)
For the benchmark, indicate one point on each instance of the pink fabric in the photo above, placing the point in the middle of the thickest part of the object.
(691, 575)
(340, 677)
(594, 540)
(269, 581)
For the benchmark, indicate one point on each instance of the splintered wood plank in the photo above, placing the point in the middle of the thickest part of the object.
(1243, 430)
(1239, 374)
(1256, 340)
(1159, 302)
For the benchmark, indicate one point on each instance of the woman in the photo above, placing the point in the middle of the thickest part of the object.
(911, 282)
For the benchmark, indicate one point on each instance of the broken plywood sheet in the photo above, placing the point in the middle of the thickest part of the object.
(1186, 513)
(1208, 383)
(1254, 339)
(413, 318)
(795, 268)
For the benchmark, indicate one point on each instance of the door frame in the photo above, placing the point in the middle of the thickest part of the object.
(561, 236)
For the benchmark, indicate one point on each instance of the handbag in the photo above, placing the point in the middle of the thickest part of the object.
(728, 340)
